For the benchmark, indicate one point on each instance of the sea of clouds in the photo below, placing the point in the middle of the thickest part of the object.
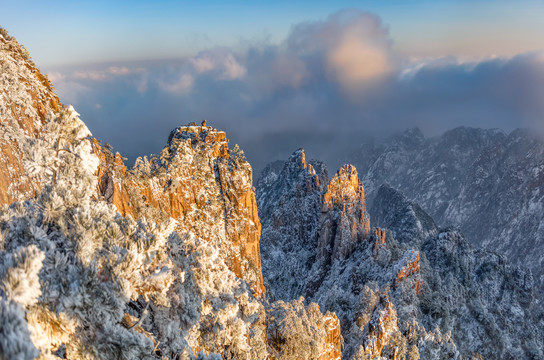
(327, 87)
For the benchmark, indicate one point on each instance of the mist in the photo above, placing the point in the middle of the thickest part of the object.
(329, 86)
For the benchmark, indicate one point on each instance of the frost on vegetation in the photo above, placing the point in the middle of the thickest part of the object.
(20, 87)
(296, 331)
(63, 152)
(15, 340)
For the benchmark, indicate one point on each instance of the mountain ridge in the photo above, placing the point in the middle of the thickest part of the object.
(487, 182)
(407, 288)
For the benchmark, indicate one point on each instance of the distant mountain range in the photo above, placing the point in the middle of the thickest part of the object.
(488, 183)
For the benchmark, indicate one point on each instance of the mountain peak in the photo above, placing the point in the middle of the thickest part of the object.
(345, 187)
(392, 209)
(344, 220)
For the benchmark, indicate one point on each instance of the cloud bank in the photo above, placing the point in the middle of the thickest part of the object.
(327, 87)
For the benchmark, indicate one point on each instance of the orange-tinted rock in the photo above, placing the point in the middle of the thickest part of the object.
(345, 188)
(381, 326)
(27, 102)
(344, 220)
(410, 265)
(200, 183)
(379, 240)
(332, 349)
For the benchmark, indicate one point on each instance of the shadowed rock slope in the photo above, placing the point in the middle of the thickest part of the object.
(487, 182)
(411, 291)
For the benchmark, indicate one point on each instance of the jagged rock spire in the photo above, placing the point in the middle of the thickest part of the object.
(344, 220)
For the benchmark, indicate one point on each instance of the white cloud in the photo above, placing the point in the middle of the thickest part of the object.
(353, 45)
(220, 61)
(182, 86)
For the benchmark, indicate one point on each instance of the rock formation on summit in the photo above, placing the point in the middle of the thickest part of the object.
(344, 221)
(200, 182)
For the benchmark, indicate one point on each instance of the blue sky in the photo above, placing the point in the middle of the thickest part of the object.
(67, 32)
(322, 75)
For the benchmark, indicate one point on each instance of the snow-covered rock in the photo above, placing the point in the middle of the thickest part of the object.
(426, 295)
(158, 262)
(487, 182)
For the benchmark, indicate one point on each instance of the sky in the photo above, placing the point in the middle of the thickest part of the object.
(324, 75)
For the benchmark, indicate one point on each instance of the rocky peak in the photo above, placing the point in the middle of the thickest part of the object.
(296, 169)
(216, 139)
(203, 184)
(290, 198)
(345, 188)
(344, 220)
(411, 138)
(297, 163)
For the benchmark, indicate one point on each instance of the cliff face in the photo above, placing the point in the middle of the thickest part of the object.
(405, 290)
(198, 181)
(27, 102)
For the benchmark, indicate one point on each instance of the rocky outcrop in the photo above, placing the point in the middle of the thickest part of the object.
(27, 103)
(200, 182)
(407, 266)
(332, 347)
(289, 198)
(344, 221)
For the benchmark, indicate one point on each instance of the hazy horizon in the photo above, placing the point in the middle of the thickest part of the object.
(281, 76)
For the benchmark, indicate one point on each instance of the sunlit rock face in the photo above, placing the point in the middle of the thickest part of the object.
(407, 289)
(487, 182)
(200, 182)
(344, 221)
(27, 102)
